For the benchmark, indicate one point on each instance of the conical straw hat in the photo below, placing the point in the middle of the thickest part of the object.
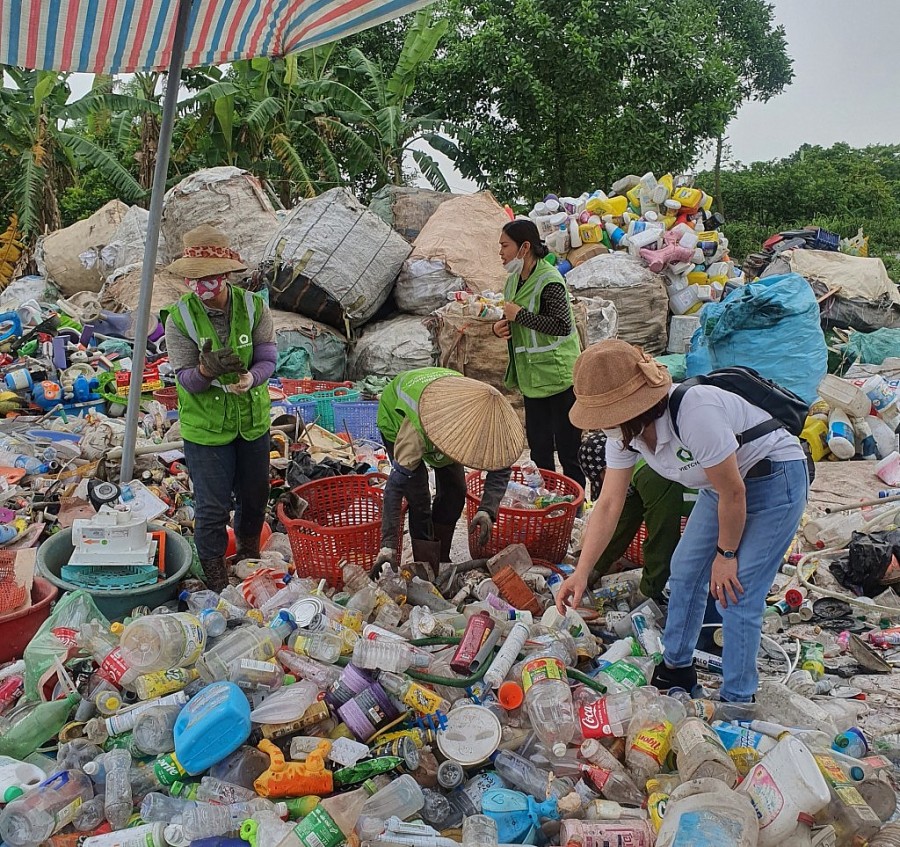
(471, 422)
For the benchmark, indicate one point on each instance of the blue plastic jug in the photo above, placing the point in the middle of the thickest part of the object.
(211, 726)
(516, 814)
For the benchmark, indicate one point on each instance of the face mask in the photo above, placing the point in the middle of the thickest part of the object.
(208, 288)
(614, 433)
(515, 266)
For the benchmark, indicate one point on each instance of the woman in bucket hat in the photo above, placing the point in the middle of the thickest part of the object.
(221, 343)
(752, 496)
(437, 418)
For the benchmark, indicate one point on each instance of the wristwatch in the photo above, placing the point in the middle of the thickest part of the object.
(727, 554)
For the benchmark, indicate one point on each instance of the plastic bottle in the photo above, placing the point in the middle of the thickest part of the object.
(700, 753)
(117, 803)
(531, 474)
(394, 656)
(154, 730)
(594, 753)
(548, 701)
(324, 646)
(609, 810)
(727, 818)
(412, 694)
(156, 642)
(781, 705)
(634, 833)
(106, 652)
(507, 655)
(17, 777)
(887, 836)
(242, 767)
(626, 674)
(37, 727)
(330, 823)
(649, 734)
(206, 820)
(33, 818)
(847, 811)
(252, 675)
(479, 831)
(324, 675)
(246, 642)
(212, 790)
(403, 797)
(160, 683)
(523, 774)
(517, 492)
(608, 717)
(28, 463)
(161, 808)
(147, 835)
(841, 436)
(286, 704)
(648, 636)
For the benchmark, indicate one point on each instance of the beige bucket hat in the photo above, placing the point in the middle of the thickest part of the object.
(207, 252)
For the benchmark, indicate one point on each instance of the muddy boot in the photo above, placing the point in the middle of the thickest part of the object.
(427, 553)
(247, 548)
(443, 533)
(215, 573)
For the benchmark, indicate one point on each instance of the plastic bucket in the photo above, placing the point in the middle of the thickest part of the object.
(117, 604)
(18, 628)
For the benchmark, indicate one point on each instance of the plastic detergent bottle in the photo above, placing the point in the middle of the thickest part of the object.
(33, 818)
(841, 435)
(213, 724)
(705, 813)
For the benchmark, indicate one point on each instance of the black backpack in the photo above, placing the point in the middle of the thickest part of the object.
(788, 411)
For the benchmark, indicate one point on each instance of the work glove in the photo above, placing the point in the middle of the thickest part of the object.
(242, 386)
(484, 523)
(386, 556)
(216, 363)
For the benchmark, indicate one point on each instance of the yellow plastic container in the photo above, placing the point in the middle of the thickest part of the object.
(707, 202)
(614, 206)
(590, 233)
(690, 198)
(669, 182)
(815, 433)
(698, 278)
(634, 196)
(708, 235)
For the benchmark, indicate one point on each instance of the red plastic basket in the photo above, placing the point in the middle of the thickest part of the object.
(544, 532)
(308, 386)
(167, 396)
(343, 522)
(12, 593)
(635, 551)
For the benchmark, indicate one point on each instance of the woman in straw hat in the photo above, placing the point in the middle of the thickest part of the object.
(543, 344)
(437, 418)
(221, 342)
(752, 496)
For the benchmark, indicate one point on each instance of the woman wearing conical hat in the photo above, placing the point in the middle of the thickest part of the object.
(437, 418)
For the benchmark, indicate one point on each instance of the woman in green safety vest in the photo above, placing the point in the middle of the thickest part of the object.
(221, 343)
(437, 418)
(543, 345)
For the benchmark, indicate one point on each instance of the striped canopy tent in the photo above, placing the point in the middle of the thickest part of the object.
(122, 36)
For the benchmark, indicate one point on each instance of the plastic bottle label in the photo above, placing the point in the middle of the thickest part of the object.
(113, 667)
(707, 829)
(194, 640)
(765, 795)
(539, 670)
(160, 683)
(594, 719)
(318, 829)
(66, 814)
(653, 741)
(626, 675)
(422, 700)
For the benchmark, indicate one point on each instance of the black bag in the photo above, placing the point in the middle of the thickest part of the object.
(788, 411)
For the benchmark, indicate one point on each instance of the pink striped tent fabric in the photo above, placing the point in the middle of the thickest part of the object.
(119, 36)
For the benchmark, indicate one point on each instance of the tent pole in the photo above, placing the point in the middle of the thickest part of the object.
(142, 317)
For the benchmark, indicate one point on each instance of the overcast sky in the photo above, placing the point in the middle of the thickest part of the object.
(844, 89)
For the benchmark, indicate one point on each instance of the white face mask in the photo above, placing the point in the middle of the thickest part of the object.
(614, 433)
(514, 266)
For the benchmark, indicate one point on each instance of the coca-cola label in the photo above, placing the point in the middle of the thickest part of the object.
(113, 667)
(594, 719)
(66, 635)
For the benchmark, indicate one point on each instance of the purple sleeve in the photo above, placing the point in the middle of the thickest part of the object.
(263, 364)
(192, 380)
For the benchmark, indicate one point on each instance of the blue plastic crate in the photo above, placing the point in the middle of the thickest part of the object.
(359, 418)
(825, 240)
(326, 400)
(304, 407)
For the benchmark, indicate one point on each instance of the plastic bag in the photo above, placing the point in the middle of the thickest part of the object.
(56, 639)
(872, 348)
(869, 555)
(771, 325)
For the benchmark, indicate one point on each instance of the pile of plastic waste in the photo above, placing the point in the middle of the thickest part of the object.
(403, 711)
(667, 223)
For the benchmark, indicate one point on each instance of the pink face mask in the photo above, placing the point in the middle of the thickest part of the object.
(207, 288)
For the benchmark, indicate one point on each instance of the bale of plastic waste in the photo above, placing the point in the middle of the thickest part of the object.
(406, 209)
(600, 319)
(70, 257)
(304, 344)
(121, 291)
(333, 260)
(228, 198)
(387, 348)
(424, 285)
(128, 242)
(638, 294)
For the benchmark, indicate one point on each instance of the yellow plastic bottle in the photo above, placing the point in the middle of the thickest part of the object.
(690, 198)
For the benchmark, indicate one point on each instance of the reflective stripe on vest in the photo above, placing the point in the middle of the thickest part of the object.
(532, 307)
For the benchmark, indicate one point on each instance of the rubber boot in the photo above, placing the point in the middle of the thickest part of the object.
(247, 548)
(443, 533)
(215, 573)
(428, 553)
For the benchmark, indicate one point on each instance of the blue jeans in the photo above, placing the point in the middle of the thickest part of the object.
(235, 474)
(775, 504)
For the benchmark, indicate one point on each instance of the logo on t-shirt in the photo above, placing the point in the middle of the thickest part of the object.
(685, 455)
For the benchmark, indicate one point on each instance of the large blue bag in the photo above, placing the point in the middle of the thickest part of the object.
(771, 325)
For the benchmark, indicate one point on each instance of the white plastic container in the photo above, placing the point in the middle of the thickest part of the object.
(841, 435)
(684, 301)
(705, 813)
(681, 328)
(885, 438)
(785, 784)
(844, 395)
(17, 775)
(888, 469)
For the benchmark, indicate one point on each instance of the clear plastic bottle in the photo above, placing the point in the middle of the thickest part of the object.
(608, 717)
(701, 753)
(479, 831)
(594, 753)
(104, 647)
(412, 694)
(323, 675)
(253, 675)
(649, 734)
(402, 797)
(206, 820)
(33, 818)
(323, 646)
(245, 642)
(117, 803)
(154, 730)
(847, 811)
(212, 790)
(626, 674)
(157, 807)
(525, 775)
(548, 701)
(156, 642)
(242, 767)
(330, 823)
(394, 656)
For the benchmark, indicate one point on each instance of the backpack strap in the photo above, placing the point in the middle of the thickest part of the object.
(758, 431)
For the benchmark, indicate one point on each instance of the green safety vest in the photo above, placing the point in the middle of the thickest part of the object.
(216, 416)
(400, 401)
(539, 365)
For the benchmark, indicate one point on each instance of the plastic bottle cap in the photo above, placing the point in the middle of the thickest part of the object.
(12, 793)
(510, 695)
(116, 628)
(807, 820)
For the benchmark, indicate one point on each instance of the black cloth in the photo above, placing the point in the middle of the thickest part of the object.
(554, 316)
(549, 429)
(449, 498)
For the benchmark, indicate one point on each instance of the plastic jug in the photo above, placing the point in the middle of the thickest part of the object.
(17, 777)
(844, 395)
(211, 726)
(841, 435)
(704, 813)
(786, 783)
(32, 819)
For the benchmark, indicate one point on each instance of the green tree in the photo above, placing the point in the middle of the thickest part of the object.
(52, 141)
(572, 96)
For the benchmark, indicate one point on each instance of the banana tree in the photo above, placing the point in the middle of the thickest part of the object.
(40, 130)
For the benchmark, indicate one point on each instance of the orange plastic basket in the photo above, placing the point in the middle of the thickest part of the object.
(635, 551)
(343, 522)
(309, 386)
(12, 593)
(544, 532)
(167, 396)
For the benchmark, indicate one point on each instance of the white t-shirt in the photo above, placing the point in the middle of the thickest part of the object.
(708, 419)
